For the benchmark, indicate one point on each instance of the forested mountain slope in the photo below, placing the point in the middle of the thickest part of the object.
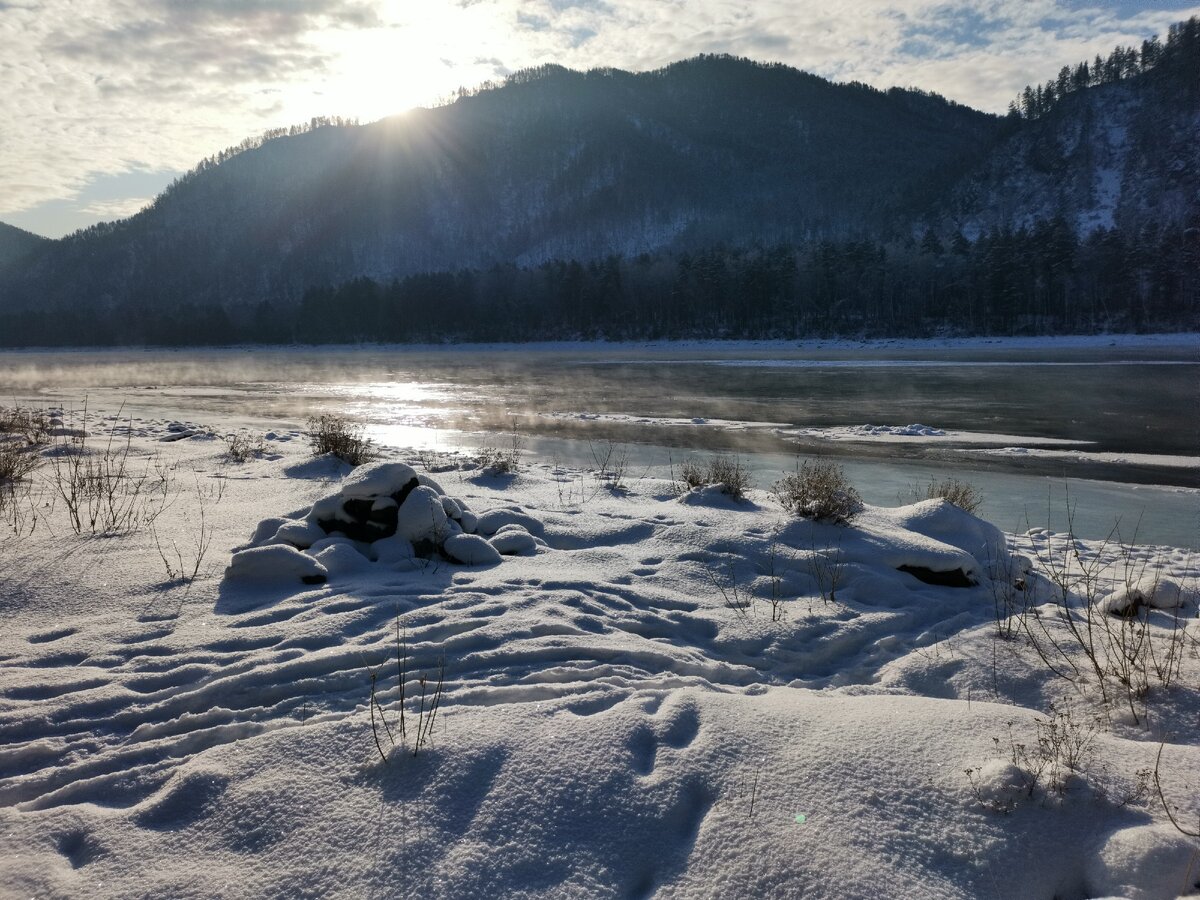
(553, 164)
(16, 245)
(716, 195)
(1123, 153)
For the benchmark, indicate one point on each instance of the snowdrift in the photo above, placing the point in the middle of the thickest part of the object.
(640, 695)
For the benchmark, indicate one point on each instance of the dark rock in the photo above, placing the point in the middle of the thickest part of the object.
(359, 510)
(953, 578)
(357, 531)
(385, 518)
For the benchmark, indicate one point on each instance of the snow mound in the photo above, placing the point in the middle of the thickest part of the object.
(1150, 862)
(471, 550)
(276, 563)
(388, 514)
(494, 520)
(514, 542)
(1001, 785)
(915, 430)
(378, 480)
(714, 495)
(944, 522)
(1154, 591)
(930, 539)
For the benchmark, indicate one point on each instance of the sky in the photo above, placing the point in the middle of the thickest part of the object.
(106, 101)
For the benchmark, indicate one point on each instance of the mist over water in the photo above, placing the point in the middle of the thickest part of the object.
(661, 404)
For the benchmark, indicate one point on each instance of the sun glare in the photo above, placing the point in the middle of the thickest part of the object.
(412, 58)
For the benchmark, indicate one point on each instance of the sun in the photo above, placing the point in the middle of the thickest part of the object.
(414, 55)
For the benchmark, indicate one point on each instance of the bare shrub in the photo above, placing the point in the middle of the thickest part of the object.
(827, 566)
(952, 490)
(22, 432)
(437, 460)
(775, 598)
(19, 457)
(691, 475)
(612, 463)
(818, 490)
(331, 433)
(1123, 651)
(726, 583)
(30, 425)
(1061, 751)
(497, 460)
(727, 471)
(183, 563)
(1172, 809)
(17, 460)
(1010, 605)
(20, 509)
(420, 718)
(243, 446)
(108, 489)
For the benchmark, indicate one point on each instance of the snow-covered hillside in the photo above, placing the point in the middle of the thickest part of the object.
(637, 693)
(1117, 155)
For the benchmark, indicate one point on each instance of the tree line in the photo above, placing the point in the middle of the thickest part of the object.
(1179, 57)
(1036, 280)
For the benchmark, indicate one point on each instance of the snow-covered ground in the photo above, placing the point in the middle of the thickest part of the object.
(1005, 445)
(916, 433)
(642, 693)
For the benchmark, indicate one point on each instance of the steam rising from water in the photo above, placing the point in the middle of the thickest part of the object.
(668, 402)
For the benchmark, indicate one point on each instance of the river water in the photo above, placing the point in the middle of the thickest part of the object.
(1120, 422)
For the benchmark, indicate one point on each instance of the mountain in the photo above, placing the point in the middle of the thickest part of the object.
(717, 194)
(1120, 154)
(553, 164)
(16, 245)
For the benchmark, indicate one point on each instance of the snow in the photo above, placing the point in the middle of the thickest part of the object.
(904, 434)
(1154, 591)
(514, 542)
(623, 714)
(666, 421)
(471, 550)
(1143, 863)
(279, 563)
(377, 479)
(1083, 456)
(901, 430)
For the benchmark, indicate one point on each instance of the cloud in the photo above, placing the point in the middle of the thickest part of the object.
(106, 87)
(107, 210)
(115, 86)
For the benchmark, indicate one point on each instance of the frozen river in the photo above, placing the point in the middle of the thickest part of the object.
(1111, 424)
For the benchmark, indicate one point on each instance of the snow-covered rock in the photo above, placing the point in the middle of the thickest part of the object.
(422, 517)
(493, 520)
(377, 479)
(428, 482)
(898, 538)
(1154, 591)
(511, 543)
(384, 512)
(301, 534)
(342, 558)
(276, 563)
(471, 550)
(946, 523)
